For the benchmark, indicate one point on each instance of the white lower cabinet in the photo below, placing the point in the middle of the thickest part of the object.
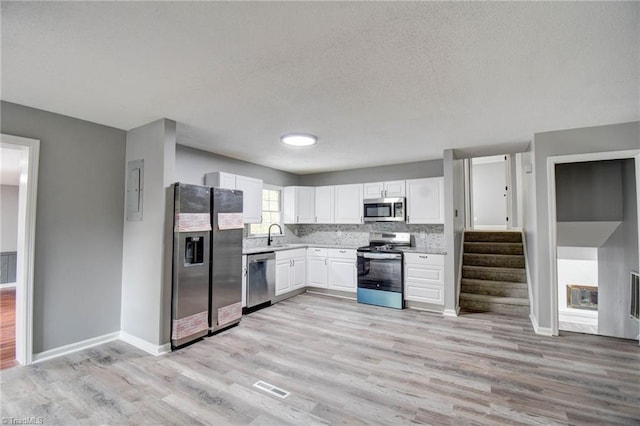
(342, 270)
(290, 270)
(424, 278)
(317, 267)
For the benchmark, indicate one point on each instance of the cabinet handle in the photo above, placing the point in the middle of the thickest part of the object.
(361, 220)
(316, 219)
(408, 219)
(423, 257)
(342, 251)
(325, 261)
(297, 219)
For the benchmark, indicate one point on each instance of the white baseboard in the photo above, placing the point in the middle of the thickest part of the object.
(543, 331)
(451, 312)
(74, 347)
(7, 285)
(142, 344)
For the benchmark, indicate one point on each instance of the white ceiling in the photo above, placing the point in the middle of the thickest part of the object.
(377, 82)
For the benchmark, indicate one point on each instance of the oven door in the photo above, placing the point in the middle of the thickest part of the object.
(380, 271)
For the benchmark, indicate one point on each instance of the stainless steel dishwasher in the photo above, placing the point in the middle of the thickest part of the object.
(261, 280)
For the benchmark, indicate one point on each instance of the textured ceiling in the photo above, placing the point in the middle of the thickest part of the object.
(377, 82)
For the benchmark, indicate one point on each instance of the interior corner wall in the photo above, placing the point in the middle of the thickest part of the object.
(78, 247)
(143, 274)
(529, 226)
(192, 164)
(608, 138)
(9, 218)
(617, 258)
(453, 226)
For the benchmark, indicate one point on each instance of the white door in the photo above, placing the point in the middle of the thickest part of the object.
(283, 276)
(317, 271)
(251, 198)
(395, 188)
(373, 190)
(425, 200)
(342, 274)
(489, 192)
(306, 202)
(298, 272)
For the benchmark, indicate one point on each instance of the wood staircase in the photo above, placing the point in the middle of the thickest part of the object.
(494, 278)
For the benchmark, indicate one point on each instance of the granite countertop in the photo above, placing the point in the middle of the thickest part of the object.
(278, 247)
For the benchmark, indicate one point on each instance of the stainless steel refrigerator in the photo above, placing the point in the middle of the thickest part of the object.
(226, 259)
(207, 261)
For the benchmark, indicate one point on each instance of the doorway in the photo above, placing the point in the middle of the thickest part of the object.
(489, 193)
(26, 152)
(593, 200)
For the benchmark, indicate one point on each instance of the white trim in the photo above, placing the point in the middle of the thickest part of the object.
(75, 347)
(451, 312)
(491, 228)
(527, 270)
(542, 331)
(142, 344)
(7, 285)
(27, 199)
(551, 202)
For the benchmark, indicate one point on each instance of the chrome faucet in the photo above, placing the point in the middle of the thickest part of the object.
(269, 239)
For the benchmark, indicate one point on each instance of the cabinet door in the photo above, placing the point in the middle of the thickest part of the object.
(251, 198)
(306, 204)
(425, 200)
(283, 276)
(395, 188)
(342, 274)
(373, 190)
(325, 204)
(317, 271)
(298, 272)
(244, 281)
(424, 283)
(349, 203)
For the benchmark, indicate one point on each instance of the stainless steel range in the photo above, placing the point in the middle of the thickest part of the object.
(380, 271)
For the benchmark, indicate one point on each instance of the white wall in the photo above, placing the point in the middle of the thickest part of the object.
(8, 218)
(144, 293)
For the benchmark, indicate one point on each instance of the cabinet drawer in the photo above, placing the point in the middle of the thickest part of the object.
(342, 253)
(290, 254)
(429, 274)
(317, 252)
(424, 293)
(424, 259)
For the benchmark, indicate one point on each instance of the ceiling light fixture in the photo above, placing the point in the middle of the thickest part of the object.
(298, 139)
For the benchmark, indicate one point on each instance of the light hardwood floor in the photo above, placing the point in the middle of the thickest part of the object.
(343, 363)
(7, 327)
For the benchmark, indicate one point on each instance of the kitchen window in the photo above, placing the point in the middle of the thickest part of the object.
(271, 211)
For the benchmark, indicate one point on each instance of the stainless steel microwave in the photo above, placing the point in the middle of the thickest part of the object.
(384, 210)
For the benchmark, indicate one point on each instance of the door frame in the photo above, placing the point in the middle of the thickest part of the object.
(27, 198)
(552, 214)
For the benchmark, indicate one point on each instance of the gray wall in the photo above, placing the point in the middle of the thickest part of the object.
(78, 248)
(616, 259)
(422, 169)
(8, 218)
(615, 137)
(192, 164)
(145, 301)
(453, 226)
(589, 191)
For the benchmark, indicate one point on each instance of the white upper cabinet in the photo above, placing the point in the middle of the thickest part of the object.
(395, 188)
(425, 200)
(251, 192)
(299, 204)
(348, 200)
(252, 198)
(325, 204)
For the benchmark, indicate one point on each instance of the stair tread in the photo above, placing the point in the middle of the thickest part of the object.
(494, 268)
(495, 299)
(478, 281)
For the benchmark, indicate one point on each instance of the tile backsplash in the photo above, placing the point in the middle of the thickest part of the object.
(430, 237)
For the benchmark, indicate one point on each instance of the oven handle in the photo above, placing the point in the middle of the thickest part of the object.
(391, 256)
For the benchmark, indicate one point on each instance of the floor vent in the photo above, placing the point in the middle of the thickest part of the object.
(274, 390)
